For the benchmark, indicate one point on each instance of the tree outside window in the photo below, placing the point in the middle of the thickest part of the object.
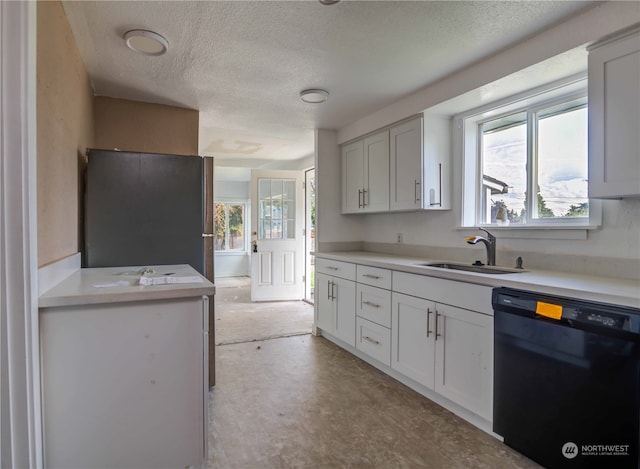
(229, 226)
(540, 151)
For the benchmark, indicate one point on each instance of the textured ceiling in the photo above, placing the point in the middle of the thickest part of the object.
(242, 64)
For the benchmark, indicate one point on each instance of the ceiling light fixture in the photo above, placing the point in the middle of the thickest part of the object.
(146, 42)
(328, 2)
(314, 96)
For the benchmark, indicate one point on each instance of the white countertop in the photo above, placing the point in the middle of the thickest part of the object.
(120, 284)
(585, 287)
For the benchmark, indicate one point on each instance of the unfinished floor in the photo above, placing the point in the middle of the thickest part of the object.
(302, 402)
(238, 319)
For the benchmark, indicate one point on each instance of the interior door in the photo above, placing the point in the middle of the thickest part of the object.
(277, 221)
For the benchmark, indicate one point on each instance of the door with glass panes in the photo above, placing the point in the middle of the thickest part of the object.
(277, 239)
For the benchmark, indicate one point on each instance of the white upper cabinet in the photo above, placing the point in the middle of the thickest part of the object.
(352, 177)
(375, 196)
(614, 117)
(398, 170)
(406, 169)
(437, 163)
(365, 175)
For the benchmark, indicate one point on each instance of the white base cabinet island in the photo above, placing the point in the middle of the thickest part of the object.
(124, 370)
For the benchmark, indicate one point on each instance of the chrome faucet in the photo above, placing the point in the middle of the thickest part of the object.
(489, 243)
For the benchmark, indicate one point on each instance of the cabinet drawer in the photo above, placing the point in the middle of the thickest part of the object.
(374, 276)
(460, 294)
(374, 304)
(340, 269)
(374, 340)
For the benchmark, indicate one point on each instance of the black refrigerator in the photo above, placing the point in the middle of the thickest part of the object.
(145, 209)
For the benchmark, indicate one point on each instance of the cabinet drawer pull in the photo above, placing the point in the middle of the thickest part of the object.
(360, 205)
(364, 198)
(330, 267)
(376, 277)
(429, 331)
(333, 292)
(437, 333)
(369, 339)
(416, 191)
(368, 303)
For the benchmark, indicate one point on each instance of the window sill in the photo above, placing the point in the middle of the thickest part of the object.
(576, 232)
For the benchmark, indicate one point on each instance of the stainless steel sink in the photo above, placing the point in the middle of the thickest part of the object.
(482, 269)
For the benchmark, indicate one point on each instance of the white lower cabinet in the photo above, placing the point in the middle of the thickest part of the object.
(336, 312)
(413, 338)
(464, 358)
(373, 310)
(406, 322)
(125, 384)
(446, 349)
(374, 340)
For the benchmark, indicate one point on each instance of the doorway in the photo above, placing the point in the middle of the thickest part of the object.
(310, 234)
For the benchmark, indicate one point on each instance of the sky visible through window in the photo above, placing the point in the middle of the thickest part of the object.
(561, 164)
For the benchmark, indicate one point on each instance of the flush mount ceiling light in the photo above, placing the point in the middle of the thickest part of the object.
(146, 42)
(314, 96)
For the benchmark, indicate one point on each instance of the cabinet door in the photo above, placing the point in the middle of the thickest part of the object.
(376, 172)
(352, 177)
(344, 293)
(413, 338)
(614, 118)
(437, 163)
(464, 358)
(406, 171)
(324, 303)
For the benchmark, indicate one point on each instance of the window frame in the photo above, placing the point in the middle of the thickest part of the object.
(227, 203)
(470, 152)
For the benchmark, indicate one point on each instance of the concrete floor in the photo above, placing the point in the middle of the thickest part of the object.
(302, 402)
(240, 320)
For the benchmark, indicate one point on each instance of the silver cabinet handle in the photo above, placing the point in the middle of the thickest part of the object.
(360, 198)
(416, 191)
(368, 303)
(364, 198)
(429, 331)
(333, 292)
(437, 333)
(330, 267)
(369, 339)
(328, 289)
(376, 277)
(439, 203)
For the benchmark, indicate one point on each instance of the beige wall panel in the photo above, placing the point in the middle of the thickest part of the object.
(65, 130)
(137, 126)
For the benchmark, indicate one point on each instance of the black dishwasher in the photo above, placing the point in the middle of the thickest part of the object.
(567, 380)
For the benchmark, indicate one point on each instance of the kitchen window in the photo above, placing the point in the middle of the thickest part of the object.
(525, 161)
(229, 219)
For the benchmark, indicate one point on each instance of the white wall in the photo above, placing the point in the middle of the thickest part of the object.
(618, 239)
(331, 225)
